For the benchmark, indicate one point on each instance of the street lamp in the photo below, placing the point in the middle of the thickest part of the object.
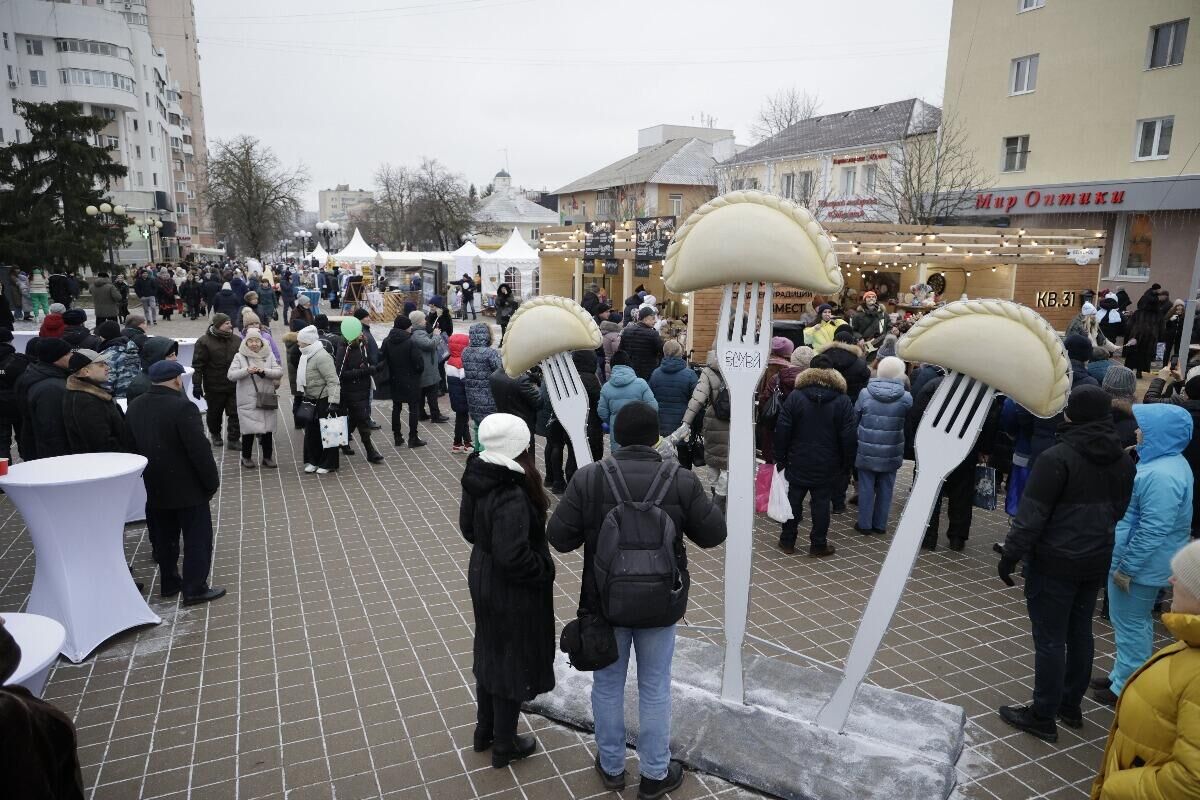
(302, 237)
(328, 230)
(110, 216)
(147, 228)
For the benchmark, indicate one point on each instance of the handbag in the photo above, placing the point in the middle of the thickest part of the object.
(985, 487)
(305, 411)
(589, 642)
(335, 432)
(264, 399)
(762, 487)
(697, 445)
(768, 412)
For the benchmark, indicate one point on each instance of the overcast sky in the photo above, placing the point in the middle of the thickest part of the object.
(563, 85)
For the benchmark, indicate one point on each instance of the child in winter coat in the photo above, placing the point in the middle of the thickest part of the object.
(455, 375)
(623, 386)
(880, 409)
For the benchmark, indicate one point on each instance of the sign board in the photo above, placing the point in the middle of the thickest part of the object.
(611, 266)
(599, 240)
(589, 266)
(1082, 256)
(654, 234)
(641, 269)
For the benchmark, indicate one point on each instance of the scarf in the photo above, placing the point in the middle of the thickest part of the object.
(492, 457)
(302, 367)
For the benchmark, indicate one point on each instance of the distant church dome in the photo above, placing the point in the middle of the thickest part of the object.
(503, 174)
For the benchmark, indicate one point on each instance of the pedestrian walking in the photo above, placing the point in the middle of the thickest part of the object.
(598, 503)
(146, 289)
(1155, 527)
(468, 296)
(1076, 494)
(643, 344)
(502, 515)
(106, 298)
(506, 306)
(881, 410)
(317, 381)
(256, 373)
(405, 366)
(181, 478)
(39, 293)
(211, 358)
(622, 387)
(354, 373)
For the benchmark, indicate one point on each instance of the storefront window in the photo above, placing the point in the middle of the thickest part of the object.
(1137, 247)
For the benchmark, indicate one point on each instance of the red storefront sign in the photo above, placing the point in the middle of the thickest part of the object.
(1036, 199)
(856, 159)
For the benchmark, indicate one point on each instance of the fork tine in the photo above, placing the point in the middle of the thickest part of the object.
(752, 335)
(944, 402)
(979, 404)
(548, 370)
(764, 324)
(723, 320)
(964, 386)
(569, 373)
(739, 317)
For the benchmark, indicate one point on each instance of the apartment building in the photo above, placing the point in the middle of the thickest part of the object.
(1086, 114)
(334, 204)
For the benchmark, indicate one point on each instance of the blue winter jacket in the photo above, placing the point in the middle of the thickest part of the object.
(881, 410)
(1158, 522)
(623, 386)
(672, 384)
(480, 360)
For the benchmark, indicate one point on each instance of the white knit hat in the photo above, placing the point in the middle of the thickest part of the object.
(417, 318)
(503, 438)
(1186, 567)
(308, 335)
(890, 367)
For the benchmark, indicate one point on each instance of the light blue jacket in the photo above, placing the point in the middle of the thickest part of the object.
(1158, 522)
(881, 408)
(622, 387)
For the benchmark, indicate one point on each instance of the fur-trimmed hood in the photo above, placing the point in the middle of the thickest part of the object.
(828, 378)
(853, 349)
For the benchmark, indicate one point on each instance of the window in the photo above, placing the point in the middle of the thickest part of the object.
(745, 183)
(37, 77)
(1029, 5)
(848, 176)
(33, 47)
(804, 186)
(112, 143)
(1, 135)
(5, 41)
(95, 77)
(12, 76)
(18, 135)
(91, 47)
(180, 186)
(141, 180)
(534, 233)
(153, 157)
(1166, 44)
(1154, 137)
(103, 113)
(677, 205)
(135, 125)
(1023, 75)
(870, 174)
(154, 178)
(787, 186)
(137, 151)
(182, 208)
(1139, 238)
(512, 276)
(606, 206)
(1016, 153)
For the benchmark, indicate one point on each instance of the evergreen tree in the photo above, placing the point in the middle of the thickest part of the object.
(48, 183)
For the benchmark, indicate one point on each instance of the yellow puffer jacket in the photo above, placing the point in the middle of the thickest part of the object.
(820, 336)
(1153, 751)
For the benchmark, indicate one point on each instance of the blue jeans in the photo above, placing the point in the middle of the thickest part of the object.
(1133, 628)
(655, 647)
(874, 498)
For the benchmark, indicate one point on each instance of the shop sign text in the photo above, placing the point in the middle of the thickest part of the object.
(1052, 299)
(1036, 199)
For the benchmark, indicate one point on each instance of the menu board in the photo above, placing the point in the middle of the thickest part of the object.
(641, 269)
(611, 266)
(653, 236)
(599, 240)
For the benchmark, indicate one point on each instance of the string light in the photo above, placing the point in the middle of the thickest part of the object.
(968, 274)
(948, 248)
(993, 269)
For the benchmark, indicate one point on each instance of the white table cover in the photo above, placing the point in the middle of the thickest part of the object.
(187, 347)
(21, 339)
(75, 509)
(40, 639)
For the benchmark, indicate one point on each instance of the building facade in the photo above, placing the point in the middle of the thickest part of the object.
(334, 204)
(173, 29)
(1086, 113)
(507, 209)
(832, 164)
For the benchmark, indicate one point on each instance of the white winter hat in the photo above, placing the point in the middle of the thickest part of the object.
(308, 336)
(1186, 568)
(890, 367)
(417, 318)
(503, 438)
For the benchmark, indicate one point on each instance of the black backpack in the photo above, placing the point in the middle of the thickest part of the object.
(635, 566)
(720, 403)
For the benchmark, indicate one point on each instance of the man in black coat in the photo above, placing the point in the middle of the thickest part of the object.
(816, 438)
(93, 420)
(1077, 492)
(643, 344)
(213, 354)
(209, 290)
(845, 355)
(135, 330)
(405, 366)
(12, 366)
(43, 434)
(468, 296)
(76, 332)
(577, 522)
(180, 480)
(518, 396)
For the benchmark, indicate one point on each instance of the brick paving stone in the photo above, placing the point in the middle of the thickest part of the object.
(340, 661)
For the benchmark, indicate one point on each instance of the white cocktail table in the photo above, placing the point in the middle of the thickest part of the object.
(189, 375)
(186, 348)
(21, 339)
(75, 508)
(40, 639)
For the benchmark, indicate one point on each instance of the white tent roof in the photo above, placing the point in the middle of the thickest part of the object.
(468, 250)
(515, 249)
(515, 253)
(319, 254)
(411, 258)
(357, 250)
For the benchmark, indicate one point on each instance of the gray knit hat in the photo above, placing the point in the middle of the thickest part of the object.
(1186, 568)
(1120, 381)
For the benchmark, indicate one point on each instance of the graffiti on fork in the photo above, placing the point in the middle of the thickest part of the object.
(742, 359)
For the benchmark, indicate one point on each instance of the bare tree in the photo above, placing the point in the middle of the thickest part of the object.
(931, 177)
(443, 205)
(782, 110)
(253, 197)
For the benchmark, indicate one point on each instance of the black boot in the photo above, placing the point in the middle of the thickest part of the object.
(373, 455)
(347, 450)
(1022, 718)
(518, 748)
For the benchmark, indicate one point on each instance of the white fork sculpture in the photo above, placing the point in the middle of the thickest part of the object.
(743, 345)
(570, 402)
(947, 432)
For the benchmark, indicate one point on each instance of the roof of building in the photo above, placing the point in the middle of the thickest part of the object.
(844, 130)
(511, 207)
(687, 162)
(503, 174)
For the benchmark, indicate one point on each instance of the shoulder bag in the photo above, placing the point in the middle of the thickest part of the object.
(264, 398)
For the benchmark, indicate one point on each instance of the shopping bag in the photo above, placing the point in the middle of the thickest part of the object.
(985, 487)
(779, 508)
(762, 487)
(335, 431)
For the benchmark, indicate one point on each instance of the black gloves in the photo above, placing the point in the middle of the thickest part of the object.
(335, 410)
(1005, 569)
(197, 391)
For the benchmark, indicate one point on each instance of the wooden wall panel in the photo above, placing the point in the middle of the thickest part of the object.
(1055, 292)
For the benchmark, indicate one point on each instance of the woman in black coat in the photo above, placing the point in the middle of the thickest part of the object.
(511, 578)
(506, 306)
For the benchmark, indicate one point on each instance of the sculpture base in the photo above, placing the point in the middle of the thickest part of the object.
(895, 746)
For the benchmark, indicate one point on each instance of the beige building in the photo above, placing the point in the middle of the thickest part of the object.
(173, 29)
(335, 204)
(1086, 113)
(832, 163)
(507, 209)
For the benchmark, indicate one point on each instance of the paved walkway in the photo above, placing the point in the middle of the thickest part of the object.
(339, 665)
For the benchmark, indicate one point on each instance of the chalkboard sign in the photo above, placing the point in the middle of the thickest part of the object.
(598, 240)
(611, 266)
(654, 234)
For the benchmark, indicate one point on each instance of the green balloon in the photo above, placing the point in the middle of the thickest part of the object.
(351, 329)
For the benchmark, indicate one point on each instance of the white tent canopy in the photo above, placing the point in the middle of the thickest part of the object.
(411, 258)
(319, 254)
(357, 250)
(516, 259)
